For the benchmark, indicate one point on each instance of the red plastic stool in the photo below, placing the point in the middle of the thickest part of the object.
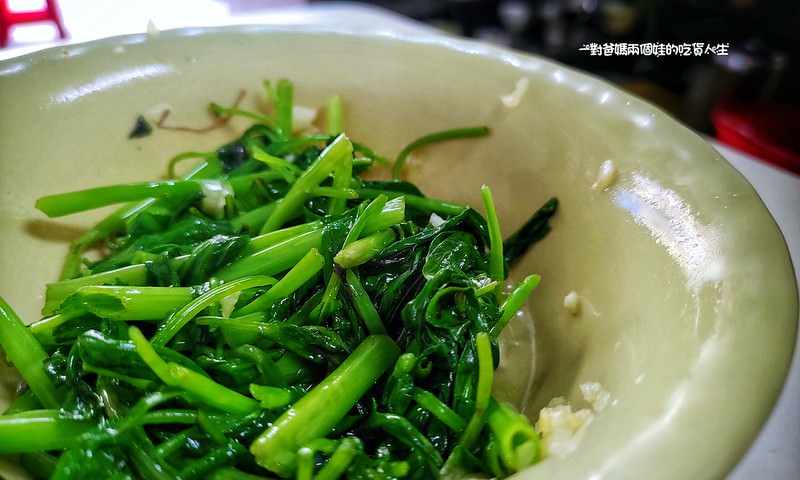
(9, 18)
(762, 128)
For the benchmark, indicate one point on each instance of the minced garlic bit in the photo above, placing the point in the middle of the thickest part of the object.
(214, 193)
(597, 396)
(606, 176)
(513, 99)
(228, 302)
(302, 118)
(435, 220)
(562, 428)
(572, 302)
(152, 30)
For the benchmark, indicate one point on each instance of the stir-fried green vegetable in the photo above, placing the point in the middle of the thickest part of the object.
(273, 314)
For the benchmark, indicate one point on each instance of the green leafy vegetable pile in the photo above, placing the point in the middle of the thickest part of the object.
(273, 314)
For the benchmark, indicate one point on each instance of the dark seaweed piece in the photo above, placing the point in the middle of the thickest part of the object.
(141, 128)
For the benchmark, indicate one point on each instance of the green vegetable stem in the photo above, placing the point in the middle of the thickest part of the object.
(324, 406)
(277, 311)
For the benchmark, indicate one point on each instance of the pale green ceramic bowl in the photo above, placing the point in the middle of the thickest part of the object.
(688, 299)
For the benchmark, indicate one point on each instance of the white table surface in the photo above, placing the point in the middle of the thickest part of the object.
(776, 453)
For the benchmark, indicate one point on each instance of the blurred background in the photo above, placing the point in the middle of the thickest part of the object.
(749, 97)
(729, 68)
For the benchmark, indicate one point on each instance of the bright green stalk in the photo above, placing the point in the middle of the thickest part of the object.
(302, 272)
(44, 329)
(306, 457)
(284, 101)
(102, 230)
(273, 259)
(415, 202)
(365, 214)
(364, 249)
(270, 397)
(486, 287)
(266, 366)
(131, 275)
(329, 300)
(209, 158)
(514, 302)
(329, 159)
(324, 406)
(402, 429)
(344, 171)
(297, 144)
(367, 152)
(134, 416)
(242, 183)
(262, 255)
(224, 111)
(439, 409)
(279, 257)
(117, 220)
(27, 355)
(468, 132)
(334, 193)
(253, 219)
(497, 270)
(392, 213)
(362, 162)
(174, 443)
(519, 444)
(218, 321)
(198, 386)
(278, 236)
(38, 464)
(342, 457)
(483, 392)
(180, 318)
(56, 292)
(40, 430)
(114, 302)
(335, 115)
(287, 170)
(145, 463)
(66, 203)
(363, 304)
(305, 464)
(230, 473)
(218, 456)
(23, 401)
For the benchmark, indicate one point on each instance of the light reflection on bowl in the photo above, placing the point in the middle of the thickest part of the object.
(683, 308)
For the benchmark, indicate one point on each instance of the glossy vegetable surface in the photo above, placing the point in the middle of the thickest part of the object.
(274, 314)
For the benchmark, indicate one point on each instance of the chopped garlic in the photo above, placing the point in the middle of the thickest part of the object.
(214, 193)
(435, 220)
(228, 302)
(514, 98)
(152, 30)
(302, 117)
(562, 428)
(572, 302)
(606, 176)
(597, 396)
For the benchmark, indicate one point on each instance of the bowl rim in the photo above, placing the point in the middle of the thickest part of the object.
(463, 46)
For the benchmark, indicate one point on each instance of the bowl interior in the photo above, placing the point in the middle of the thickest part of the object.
(687, 297)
